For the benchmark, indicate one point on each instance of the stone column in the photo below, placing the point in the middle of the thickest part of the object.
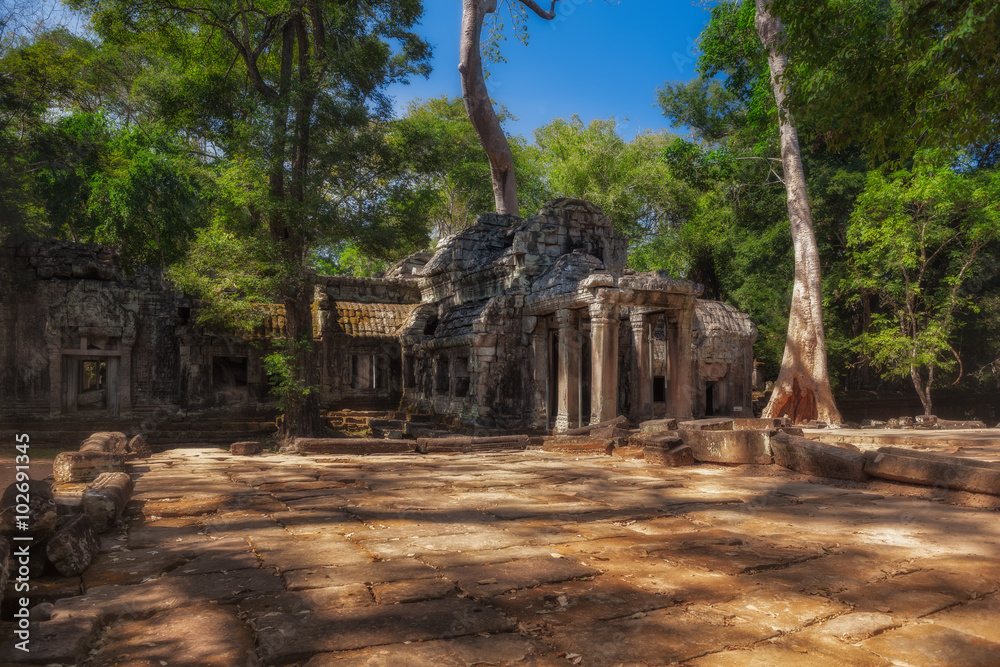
(604, 362)
(680, 382)
(569, 373)
(642, 405)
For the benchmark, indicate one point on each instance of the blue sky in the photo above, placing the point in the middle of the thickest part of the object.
(597, 59)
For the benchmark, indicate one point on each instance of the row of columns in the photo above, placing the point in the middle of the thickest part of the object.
(604, 324)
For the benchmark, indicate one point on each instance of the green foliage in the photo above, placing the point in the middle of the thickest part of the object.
(444, 157)
(626, 179)
(284, 375)
(896, 75)
(915, 240)
(706, 106)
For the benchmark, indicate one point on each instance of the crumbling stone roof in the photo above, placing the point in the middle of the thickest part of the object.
(715, 316)
(565, 275)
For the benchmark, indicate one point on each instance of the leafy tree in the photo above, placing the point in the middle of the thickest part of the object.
(288, 101)
(896, 75)
(628, 180)
(443, 153)
(915, 240)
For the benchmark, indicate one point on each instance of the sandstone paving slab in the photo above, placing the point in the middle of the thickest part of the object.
(242, 524)
(317, 522)
(782, 611)
(430, 544)
(980, 617)
(371, 573)
(206, 636)
(300, 552)
(728, 552)
(915, 594)
(578, 603)
(486, 556)
(63, 641)
(335, 597)
(237, 557)
(411, 523)
(133, 566)
(680, 582)
(413, 590)
(286, 638)
(290, 496)
(827, 575)
(662, 636)
(800, 654)
(197, 504)
(107, 603)
(276, 476)
(339, 501)
(310, 485)
(497, 650)
(930, 645)
(161, 532)
(490, 580)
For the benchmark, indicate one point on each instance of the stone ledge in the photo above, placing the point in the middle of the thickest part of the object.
(817, 458)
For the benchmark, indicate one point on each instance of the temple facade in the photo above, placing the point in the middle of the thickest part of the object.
(513, 323)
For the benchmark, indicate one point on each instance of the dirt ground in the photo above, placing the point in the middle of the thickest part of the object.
(524, 558)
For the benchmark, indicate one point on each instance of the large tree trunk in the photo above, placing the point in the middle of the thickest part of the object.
(480, 108)
(802, 391)
(302, 415)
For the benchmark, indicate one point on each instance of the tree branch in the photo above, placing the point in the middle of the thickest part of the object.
(547, 15)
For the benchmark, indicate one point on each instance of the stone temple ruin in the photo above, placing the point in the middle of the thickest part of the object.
(513, 323)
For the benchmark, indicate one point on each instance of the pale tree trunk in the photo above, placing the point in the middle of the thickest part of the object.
(478, 104)
(802, 390)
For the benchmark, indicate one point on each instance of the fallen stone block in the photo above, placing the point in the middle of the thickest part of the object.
(811, 457)
(710, 424)
(932, 470)
(138, 447)
(577, 444)
(42, 510)
(113, 442)
(71, 467)
(245, 448)
(934, 456)
(74, 546)
(472, 444)
(769, 424)
(668, 451)
(953, 424)
(628, 452)
(728, 447)
(350, 446)
(658, 425)
(105, 498)
(621, 422)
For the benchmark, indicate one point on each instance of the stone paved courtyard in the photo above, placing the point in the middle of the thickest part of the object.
(526, 558)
